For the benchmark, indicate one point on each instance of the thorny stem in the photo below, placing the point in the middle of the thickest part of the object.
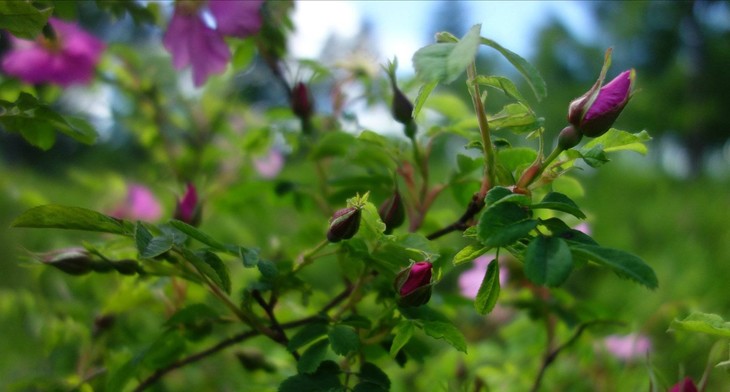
(487, 148)
(552, 354)
(159, 373)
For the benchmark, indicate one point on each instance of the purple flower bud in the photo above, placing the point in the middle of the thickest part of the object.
(73, 261)
(569, 137)
(595, 112)
(414, 284)
(686, 385)
(344, 224)
(302, 103)
(392, 212)
(188, 210)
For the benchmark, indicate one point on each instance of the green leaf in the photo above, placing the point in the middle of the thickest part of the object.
(622, 263)
(530, 73)
(249, 257)
(208, 264)
(516, 157)
(165, 350)
(193, 232)
(36, 121)
(357, 321)
(445, 62)
(75, 218)
(469, 253)
(447, 332)
(548, 261)
(489, 290)
(343, 339)
(708, 323)
(326, 378)
(149, 246)
(503, 224)
(367, 386)
(559, 202)
(403, 333)
(22, 19)
(307, 334)
(515, 117)
(312, 357)
(617, 140)
(500, 194)
(503, 84)
(332, 144)
(422, 96)
(370, 373)
(191, 314)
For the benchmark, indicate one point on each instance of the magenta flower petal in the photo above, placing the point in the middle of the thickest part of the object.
(613, 96)
(187, 209)
(191, 42)
(237, 18)
(140, 204)
(686, 385)
(70, 60)
(419, 276)
(627, 347)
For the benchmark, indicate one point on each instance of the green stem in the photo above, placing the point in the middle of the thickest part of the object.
(307, 258)
(487, 148)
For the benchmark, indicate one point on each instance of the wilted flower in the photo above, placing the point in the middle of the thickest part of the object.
(140, 204)
(69, 58)
(595, 112)
(686, 385)
(627, 347)
(187, 209)
(392, 212)
(344, 224)
(413, 284)
(269, 165)
(192, 42)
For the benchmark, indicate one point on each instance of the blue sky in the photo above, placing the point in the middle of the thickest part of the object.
(400, 26)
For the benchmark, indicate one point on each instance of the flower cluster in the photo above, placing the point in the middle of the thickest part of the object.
(192, 42)
(68, 58)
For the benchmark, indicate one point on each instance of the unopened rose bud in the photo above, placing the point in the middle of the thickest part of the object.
(413, 284)
(392, 212)
(569, 137)
(188, 210)
(344, 224)
(686, 385)
(302, 103)
(594, 113)
(402, 108)
(73, 261)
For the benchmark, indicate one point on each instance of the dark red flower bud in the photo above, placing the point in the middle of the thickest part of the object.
(413, 284)
(401, 107)
(188, 210)
(302, 103)
(344, 224)
(569, 137)
(392, 212)
(73, 261)
(686, 385)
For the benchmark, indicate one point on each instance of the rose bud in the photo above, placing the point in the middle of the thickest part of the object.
(344, 224)
(413, 284)
(594, 113)
(73, 261)
(686, 385)
(188, 210)
(392, 212)
(302, 103)
(402, 108)
(569, 137)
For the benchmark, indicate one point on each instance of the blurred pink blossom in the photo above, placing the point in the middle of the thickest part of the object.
(584, 228)
(269, 165)
(192, 42)
(140, 204)
(69, 59)
(471, 279)
(627, 347)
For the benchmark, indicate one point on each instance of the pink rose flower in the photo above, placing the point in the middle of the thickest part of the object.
(140, 204)
(269, 165)
(627, 347)
(191, 42)
(69, 59)
(188, 209)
